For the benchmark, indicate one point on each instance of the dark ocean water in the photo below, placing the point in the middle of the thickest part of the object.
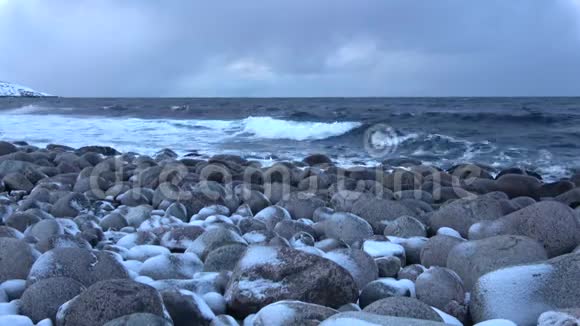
(538, 133)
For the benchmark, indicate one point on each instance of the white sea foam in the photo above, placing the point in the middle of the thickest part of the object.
(270, 128)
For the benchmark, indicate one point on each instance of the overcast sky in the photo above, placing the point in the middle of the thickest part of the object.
(292, 47)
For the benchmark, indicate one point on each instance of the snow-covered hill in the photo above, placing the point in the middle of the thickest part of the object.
(10, 89)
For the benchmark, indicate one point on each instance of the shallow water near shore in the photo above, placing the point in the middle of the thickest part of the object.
(538, 133)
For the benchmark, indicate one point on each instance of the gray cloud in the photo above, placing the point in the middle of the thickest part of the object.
(292, 48)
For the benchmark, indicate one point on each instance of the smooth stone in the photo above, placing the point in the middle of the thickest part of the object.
(139, 319)
(385, 288)
(290, 313)
(441, 288)
(171, 266)
(359, 264)
(268, 274)
(85, 266)
(436, 250)
(403, 307)
(367, 319)
(187, 308)
(346, 227)
(375, 211)
(472, 259)
(107, 300)
(42, 299)
(554, 225)
(16, 259)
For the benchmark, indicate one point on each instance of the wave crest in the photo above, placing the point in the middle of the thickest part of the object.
(270, 128)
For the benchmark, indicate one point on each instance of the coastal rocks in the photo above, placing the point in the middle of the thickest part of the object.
(385, 288)
(403, 307)
(42, 299)
(139, 319)
(366, 318)
(171, 266)
(271, 215)
(212, 239)
(346, 227)
(85, 266)
(317, 159)
(376, 211)
(187, 308)
(551, 223)
(359, 264)
(7, 148)
(441, 288)
(301, 204)
(108, 300)
(16, 259)
(405, 227)
(289, 313)
(437, 248)
(224, 258)
(522, 293)
(461, 214)
(471, 259)
(70, 205)
(266, 274)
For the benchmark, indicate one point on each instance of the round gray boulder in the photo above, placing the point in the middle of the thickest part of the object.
(42, 299)
(16, 259)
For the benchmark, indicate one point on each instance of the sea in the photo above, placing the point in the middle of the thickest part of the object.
(541, 134)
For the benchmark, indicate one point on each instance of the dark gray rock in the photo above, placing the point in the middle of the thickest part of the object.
(268, 274)
(85, 266)
(515, 185)
(16, 259)
(10, 232)
(411, 272)
(7, 148)
(17, 181)
(21, 220)
(551, 223)
(271, 216)
(346, 227)
(472, 259)
(107, 300)
(71, 205)
(113, 221)
(42, 299)
(290, 313)
(224, 258)
(288, 228)
(181, 237)
(437, 248)
(140, 319)
(461, 214)
(375, 211)
(358, 263)
(385, 288)
(212, 239)
(388, 266)
(187, 308)
(441, 288)
(302, 205)
(317, 159)
(404, 227)
(403, 307)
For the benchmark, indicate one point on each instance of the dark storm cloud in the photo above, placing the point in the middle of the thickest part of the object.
(292, 48)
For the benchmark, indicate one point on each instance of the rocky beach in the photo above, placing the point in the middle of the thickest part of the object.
(93, 236)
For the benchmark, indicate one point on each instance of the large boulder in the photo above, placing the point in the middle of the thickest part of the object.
(290, 313)
(471, 259)
(375, 211)
(7, 148)
(385, 288)
(140, 319)
(70, 205)
(42, 299)
(268, 274)
(551, 223)
(16, 259)
(83, 265)
(171, 266)
(224, 258)
(212, 239)
(522, 293)
(403, 307)
(461, 214)
(107, 300)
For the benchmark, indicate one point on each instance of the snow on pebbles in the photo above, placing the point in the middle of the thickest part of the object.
(302, 259)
